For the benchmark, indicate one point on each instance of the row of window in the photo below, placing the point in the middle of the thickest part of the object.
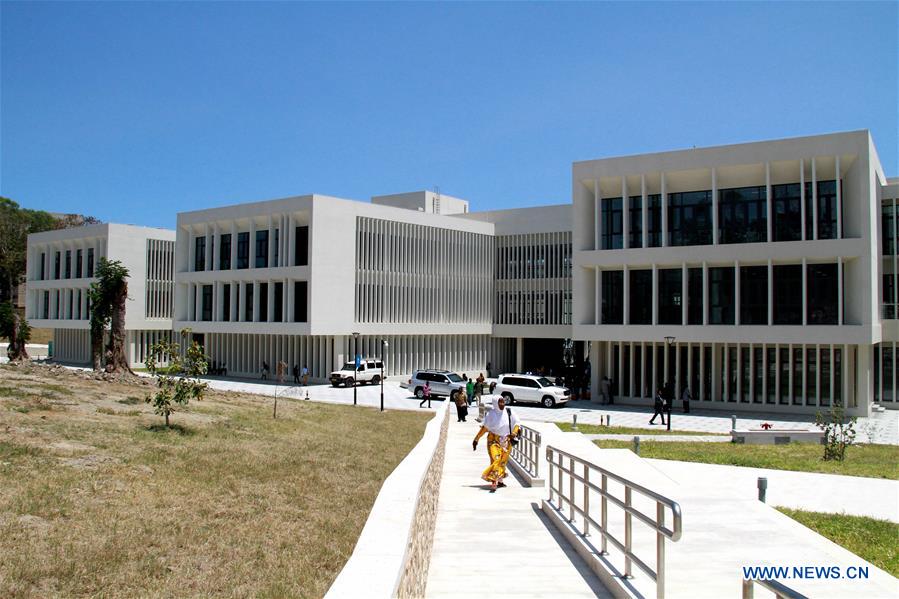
(260, 256)
(742, 216)
(67, 305)
(63, 265)
(247, 292)
(821, 306)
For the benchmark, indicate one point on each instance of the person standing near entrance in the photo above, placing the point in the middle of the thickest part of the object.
(605, 386)
(305, 375)
(686, 396)
(264, 370)
(469, 390)
(659, 407)
(458, 397)
(296, 374)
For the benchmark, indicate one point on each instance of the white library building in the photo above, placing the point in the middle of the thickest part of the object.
(761, 275)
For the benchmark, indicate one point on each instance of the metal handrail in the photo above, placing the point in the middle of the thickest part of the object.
(780, 590)
(527, 452)
(630, 512)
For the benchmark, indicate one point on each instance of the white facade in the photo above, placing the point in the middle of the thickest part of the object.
(761, 260)
(311, 270)
(60, 269)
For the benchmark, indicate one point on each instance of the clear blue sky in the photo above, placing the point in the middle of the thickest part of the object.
(132, 112)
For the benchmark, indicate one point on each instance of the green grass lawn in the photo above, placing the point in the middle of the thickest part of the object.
(873, 461)
(591, 429)
(871, 539)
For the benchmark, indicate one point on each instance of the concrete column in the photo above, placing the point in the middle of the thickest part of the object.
(684, 299)
(814, 198)
(597, 198)
(519, 354)
(655, 295)
(840, 281)
(769, 204)
(645, 212)
(271, 244)
(191, 251)
(255, 301)
(705, 293)
(715, 206)
(252, 244)
(233, 244)
(839, 199)
(664, 192)
(625, 214)
(216, 247)
(292, 242)
(209, 248)
(598, 314)
(270, 312)
(802, 196)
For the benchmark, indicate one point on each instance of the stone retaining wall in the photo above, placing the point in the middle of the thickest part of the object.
(392, 555)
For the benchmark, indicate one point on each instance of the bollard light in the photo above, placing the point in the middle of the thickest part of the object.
(733, 422)
(637, 445)
(608, 420)
(574, 422)
(763, 488)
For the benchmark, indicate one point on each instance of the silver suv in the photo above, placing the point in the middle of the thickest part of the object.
(443, 382)
(529, 388)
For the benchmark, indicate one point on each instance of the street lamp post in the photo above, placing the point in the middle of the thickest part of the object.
(384, 345)
(669, 340)
(355, 363)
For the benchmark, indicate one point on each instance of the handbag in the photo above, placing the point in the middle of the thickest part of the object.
(512, 438)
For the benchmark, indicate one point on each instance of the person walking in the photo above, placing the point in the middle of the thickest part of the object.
(469, 390)
(502, 428)
(296, 374)
(461, 405)
(686, 396)
(659, 407)
(305, 375)
(264, 370)
(425, 395)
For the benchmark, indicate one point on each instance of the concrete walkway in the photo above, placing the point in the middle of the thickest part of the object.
(670, 438)
(831, 493)
(496, 544)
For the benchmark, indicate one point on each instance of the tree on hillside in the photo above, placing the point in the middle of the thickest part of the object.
(179, 382)
(16, 329)
(108, 296)
(15, 225)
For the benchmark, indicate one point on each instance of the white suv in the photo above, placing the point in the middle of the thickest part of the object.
(529, 388)
(442, 382)
(369, 371)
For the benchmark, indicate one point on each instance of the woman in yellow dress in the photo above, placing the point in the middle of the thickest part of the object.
(501, 426)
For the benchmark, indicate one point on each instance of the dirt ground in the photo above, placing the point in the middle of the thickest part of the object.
(98, 498)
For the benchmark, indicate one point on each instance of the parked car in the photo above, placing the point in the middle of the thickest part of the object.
(369, 371)
(443, 382)
(527, 388)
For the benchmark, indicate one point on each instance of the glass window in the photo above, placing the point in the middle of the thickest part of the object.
(721, 295)
(243, 250)
(771, 391)
(56, 265)
(788, 294)
(46, 305)
(705, 393)
(640, 292)
(732, 373)
(261, 249)
(888, 230)
(612, 225)
(248, 301)
(207, 302)
(745, 374)
(822, 294)
(694, 296)
(225, 255)
(200, 253)
(838, 376)
(79, 267)
(753, 295)
(90, 262)
(827, 209)
(638, 371)
(68, 264)
(670, 296)
(279, 302)
(635, 226)
(612, 296)
(787, 212)
(824, 368)
(886, 373)
(690, 218)
(654, 221)
(301, 249)
(43, 266)
(742, 215)
(811, 371)
(263, 302)
(226, 302)
(299, 301)
(784, 375)
(797, 376)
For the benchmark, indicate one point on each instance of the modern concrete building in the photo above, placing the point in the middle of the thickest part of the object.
(748, 272)
(60, 269)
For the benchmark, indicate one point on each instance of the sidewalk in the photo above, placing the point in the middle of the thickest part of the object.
(492, 544)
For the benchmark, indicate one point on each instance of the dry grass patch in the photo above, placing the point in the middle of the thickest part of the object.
(228, 502)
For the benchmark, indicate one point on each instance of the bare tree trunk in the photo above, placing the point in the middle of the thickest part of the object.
(115, 351)
(97, 347)
(17, 350)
